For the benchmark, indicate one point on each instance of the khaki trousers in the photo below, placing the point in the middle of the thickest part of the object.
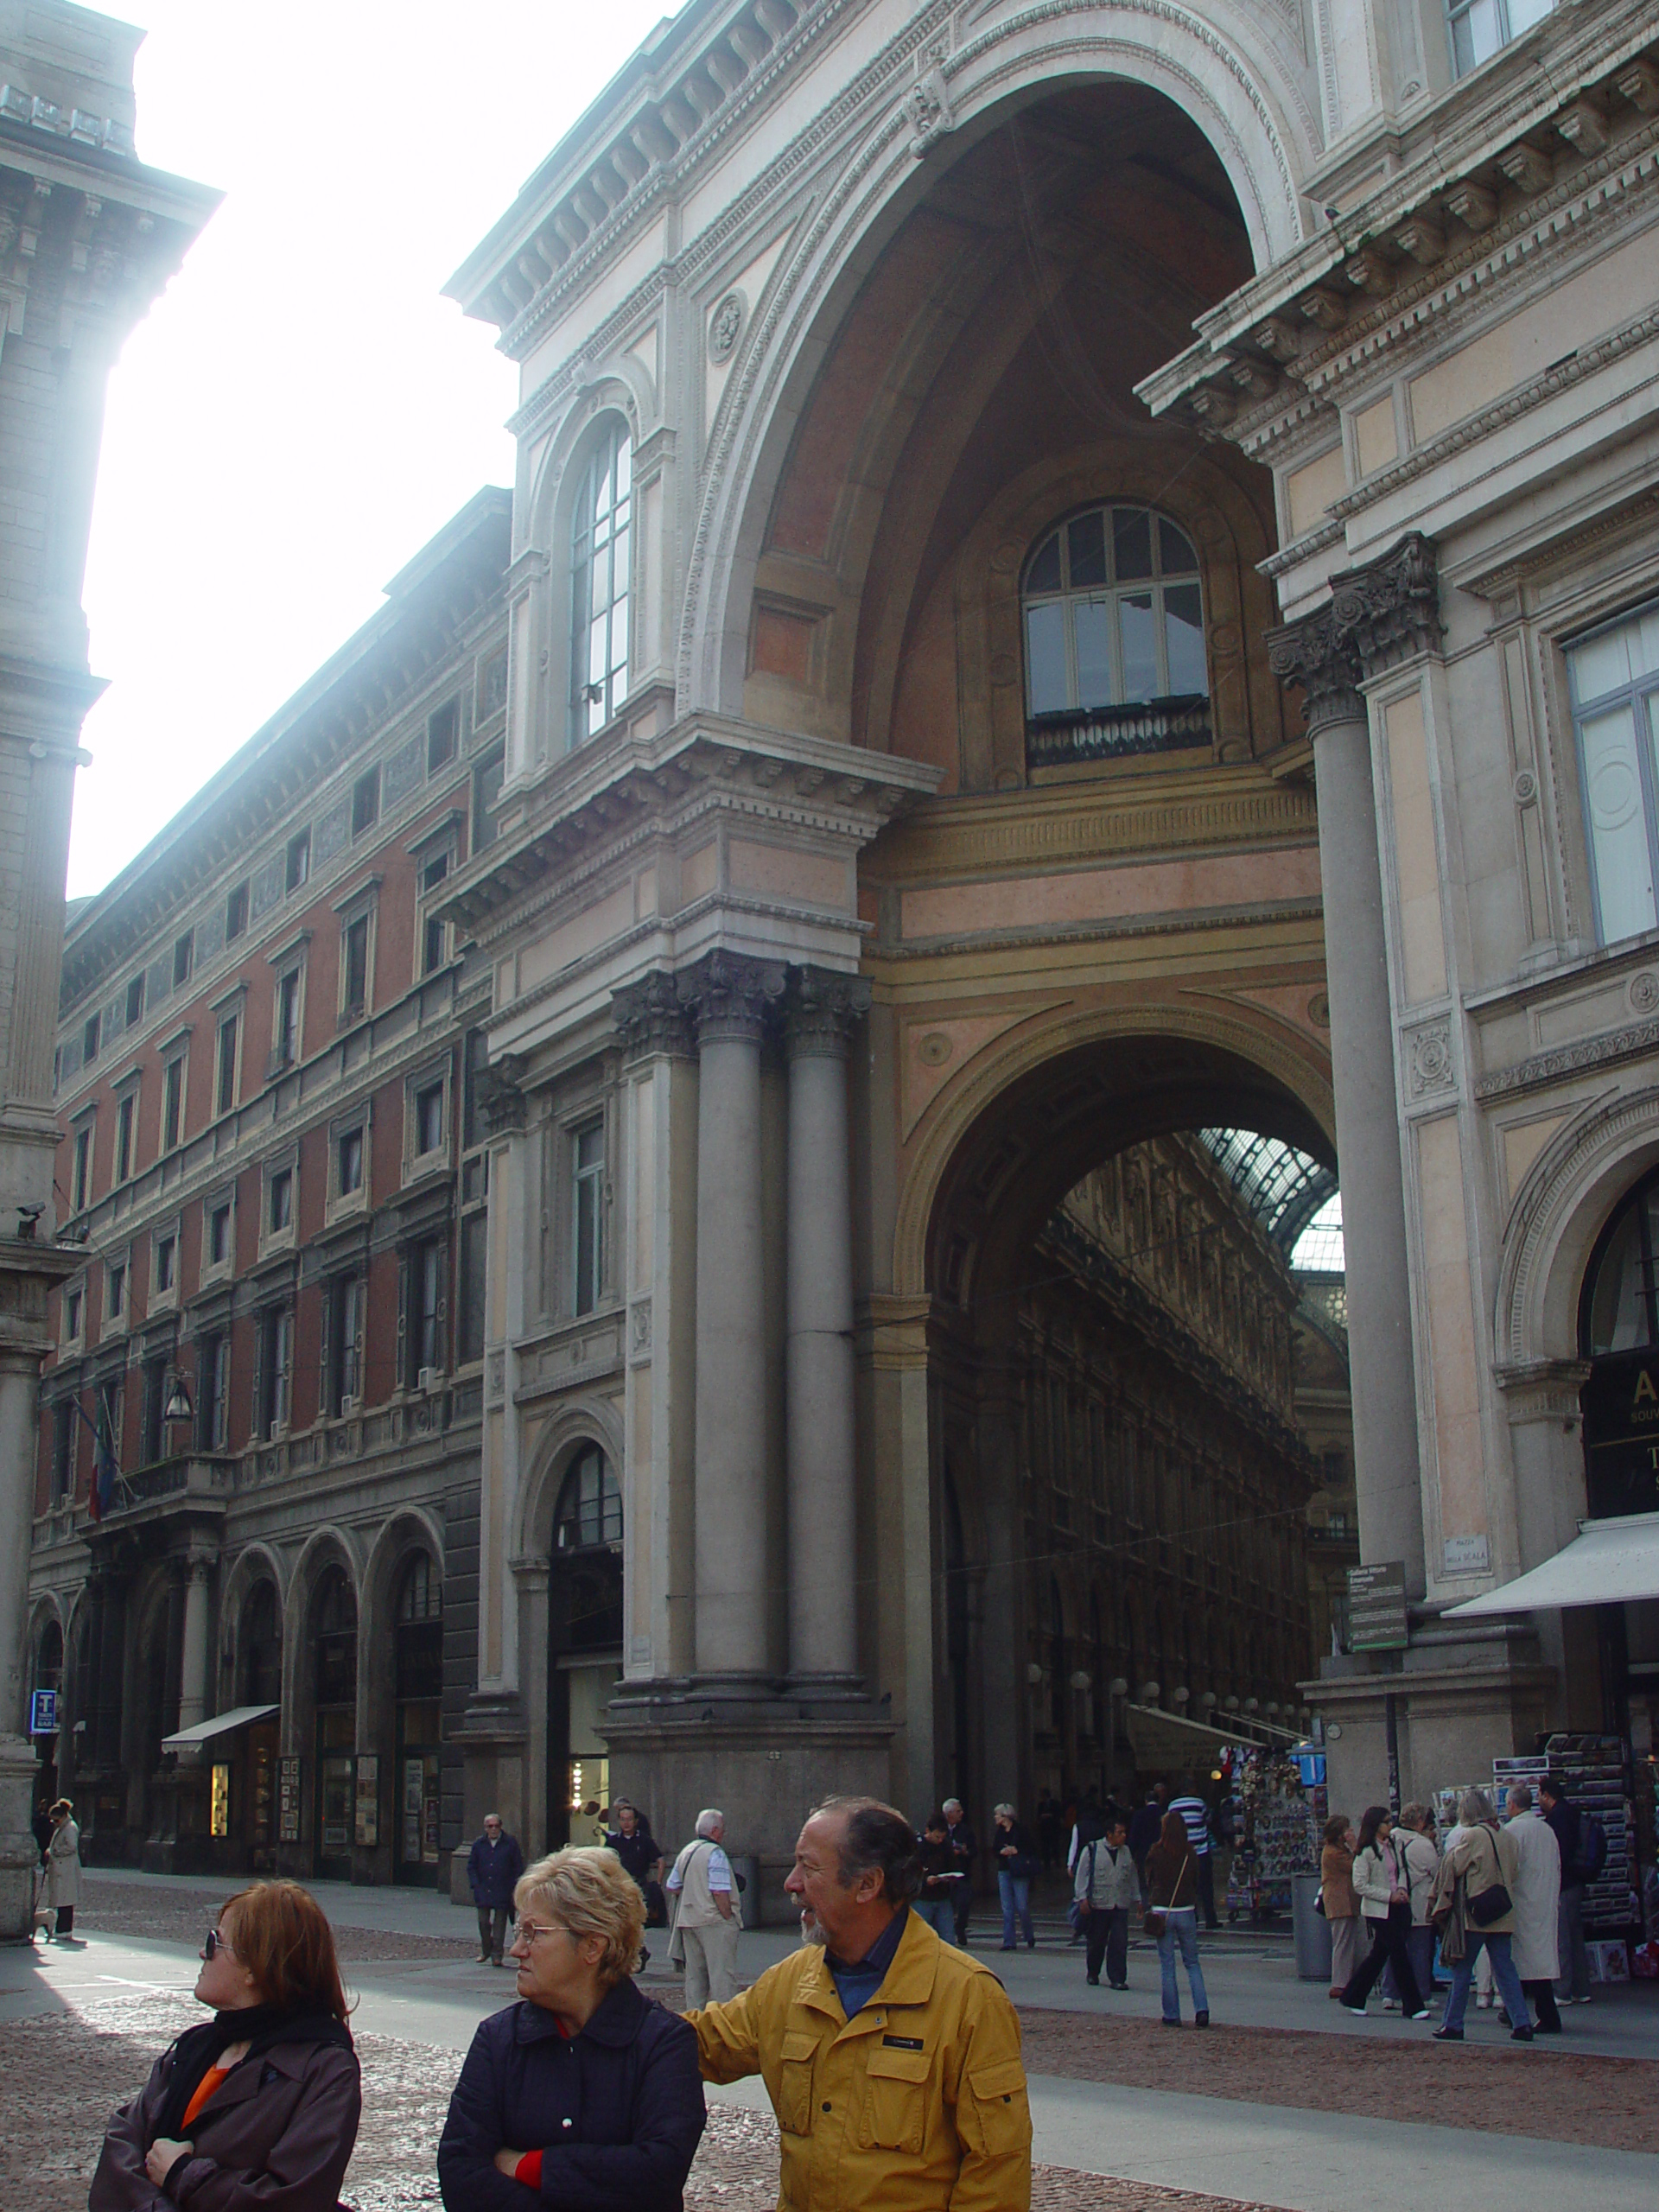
(710, 1963)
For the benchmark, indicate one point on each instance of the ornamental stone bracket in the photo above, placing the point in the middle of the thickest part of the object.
(1378, 616)
(1542, 1389)
(501, 1096)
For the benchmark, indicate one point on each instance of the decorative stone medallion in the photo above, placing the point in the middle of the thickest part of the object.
(935, 1049)
(726, 326)
(1644, 991)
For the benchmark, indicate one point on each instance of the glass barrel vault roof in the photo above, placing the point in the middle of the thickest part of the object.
(1283, 1190)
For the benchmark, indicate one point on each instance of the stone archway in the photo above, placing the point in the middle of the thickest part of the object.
(1159, 1496)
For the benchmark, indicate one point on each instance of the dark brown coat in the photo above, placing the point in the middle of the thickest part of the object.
(276, 2136)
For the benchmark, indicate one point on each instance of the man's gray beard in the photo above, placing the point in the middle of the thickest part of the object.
(813, 1937)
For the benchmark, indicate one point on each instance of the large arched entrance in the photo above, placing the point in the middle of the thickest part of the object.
(1120, 1329)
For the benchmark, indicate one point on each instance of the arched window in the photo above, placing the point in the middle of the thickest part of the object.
(1114, 624)
(590, 1504)
(599, 585)
(1620, 1307)
(261, 1651)
(420, 1594)
(333, 1628)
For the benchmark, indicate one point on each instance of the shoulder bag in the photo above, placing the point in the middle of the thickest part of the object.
(1157, 1919)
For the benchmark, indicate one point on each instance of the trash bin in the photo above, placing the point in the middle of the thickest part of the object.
(746, 1868)
(1312, 1930)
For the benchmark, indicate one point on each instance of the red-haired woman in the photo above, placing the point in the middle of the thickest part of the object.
(257, 2110)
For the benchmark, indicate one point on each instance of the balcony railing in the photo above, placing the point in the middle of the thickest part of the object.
(1060, 740)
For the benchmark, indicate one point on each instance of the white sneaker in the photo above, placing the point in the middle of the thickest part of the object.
(1484, 2003)
(1390, 2004)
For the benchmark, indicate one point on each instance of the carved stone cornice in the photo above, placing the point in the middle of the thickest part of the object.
(1377, 615)
(1635, 1041)
(651, 1017)
(501, 1096)
(731, 996)
(823, 1009)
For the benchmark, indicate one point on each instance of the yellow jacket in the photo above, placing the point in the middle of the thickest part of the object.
(917, 2103)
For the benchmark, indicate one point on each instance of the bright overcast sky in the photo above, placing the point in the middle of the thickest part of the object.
(302, 411)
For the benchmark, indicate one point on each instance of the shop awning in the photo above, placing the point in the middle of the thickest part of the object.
(1605, 1563)
(239, 1716)
(1161, 1740)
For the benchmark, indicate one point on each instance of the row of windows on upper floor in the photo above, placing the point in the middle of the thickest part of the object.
(357, 958)
(289, 871)
(582, 1204)
(408, 1343)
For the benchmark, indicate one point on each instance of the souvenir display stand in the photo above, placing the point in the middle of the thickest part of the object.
(1281, 1819)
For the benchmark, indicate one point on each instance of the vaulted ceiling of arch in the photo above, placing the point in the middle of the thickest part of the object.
(1055, 262)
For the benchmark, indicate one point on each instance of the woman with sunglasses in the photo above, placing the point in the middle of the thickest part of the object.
(583, 2091)
(258, 2107)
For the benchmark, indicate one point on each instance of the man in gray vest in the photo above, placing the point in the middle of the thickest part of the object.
(711, 1915)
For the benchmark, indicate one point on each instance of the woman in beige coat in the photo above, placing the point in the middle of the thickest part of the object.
(1341, 1905)
(63, 1868)
(1483, 1857)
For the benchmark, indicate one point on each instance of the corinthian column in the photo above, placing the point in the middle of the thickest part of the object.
(730, 996)
(822, 1526)
(1374, 614)
(192, 1668)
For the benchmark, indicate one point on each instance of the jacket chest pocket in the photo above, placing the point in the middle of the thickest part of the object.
(794, 2099)
(895, 2111)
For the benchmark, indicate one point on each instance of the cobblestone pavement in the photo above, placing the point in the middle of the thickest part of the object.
(65, 2072)
(1506, 2089)
(184, 1916)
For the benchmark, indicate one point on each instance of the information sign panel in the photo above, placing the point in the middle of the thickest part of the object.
(1377, 1607)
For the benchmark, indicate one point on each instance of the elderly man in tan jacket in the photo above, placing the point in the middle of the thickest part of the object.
(892, 2059)
(706, 1926)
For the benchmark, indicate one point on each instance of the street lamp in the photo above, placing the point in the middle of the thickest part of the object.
(178, 1407)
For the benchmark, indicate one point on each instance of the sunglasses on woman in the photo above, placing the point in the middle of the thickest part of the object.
(215, 1942)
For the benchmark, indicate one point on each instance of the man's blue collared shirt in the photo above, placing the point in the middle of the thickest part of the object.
(857, 1985)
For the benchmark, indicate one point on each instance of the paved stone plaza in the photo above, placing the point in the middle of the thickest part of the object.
(1281, 2104)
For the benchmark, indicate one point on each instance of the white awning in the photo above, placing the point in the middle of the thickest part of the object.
(1606, 1562)
(239, 1716)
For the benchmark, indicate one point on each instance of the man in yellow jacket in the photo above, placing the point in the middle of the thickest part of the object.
(892, 2059)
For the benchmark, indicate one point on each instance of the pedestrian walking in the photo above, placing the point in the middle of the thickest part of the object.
(581, 2093)
(494, 1866)
(630, 1839)
(1565, 1824)
(1536, 1893)
(960, 1837)
(1145, 1826)
(63, 1869)
(936, 1900)
(1379, 1879)
(925, 2107)
(1172, 1917)
(1341, 1905)
(1480, 1866)
(1195, 1812)
(1016, 1863)
(258, 2105)
(707, 1925)
(1106, 1890)
(1420, 1853)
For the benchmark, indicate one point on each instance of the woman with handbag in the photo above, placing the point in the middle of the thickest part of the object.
(1483, 1858)
(1016, 1862)
(1338, 1901)
(1172, 1917)
(1380, 1884)
(258, 2107)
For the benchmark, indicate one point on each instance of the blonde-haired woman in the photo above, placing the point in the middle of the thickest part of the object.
(582, 2091)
